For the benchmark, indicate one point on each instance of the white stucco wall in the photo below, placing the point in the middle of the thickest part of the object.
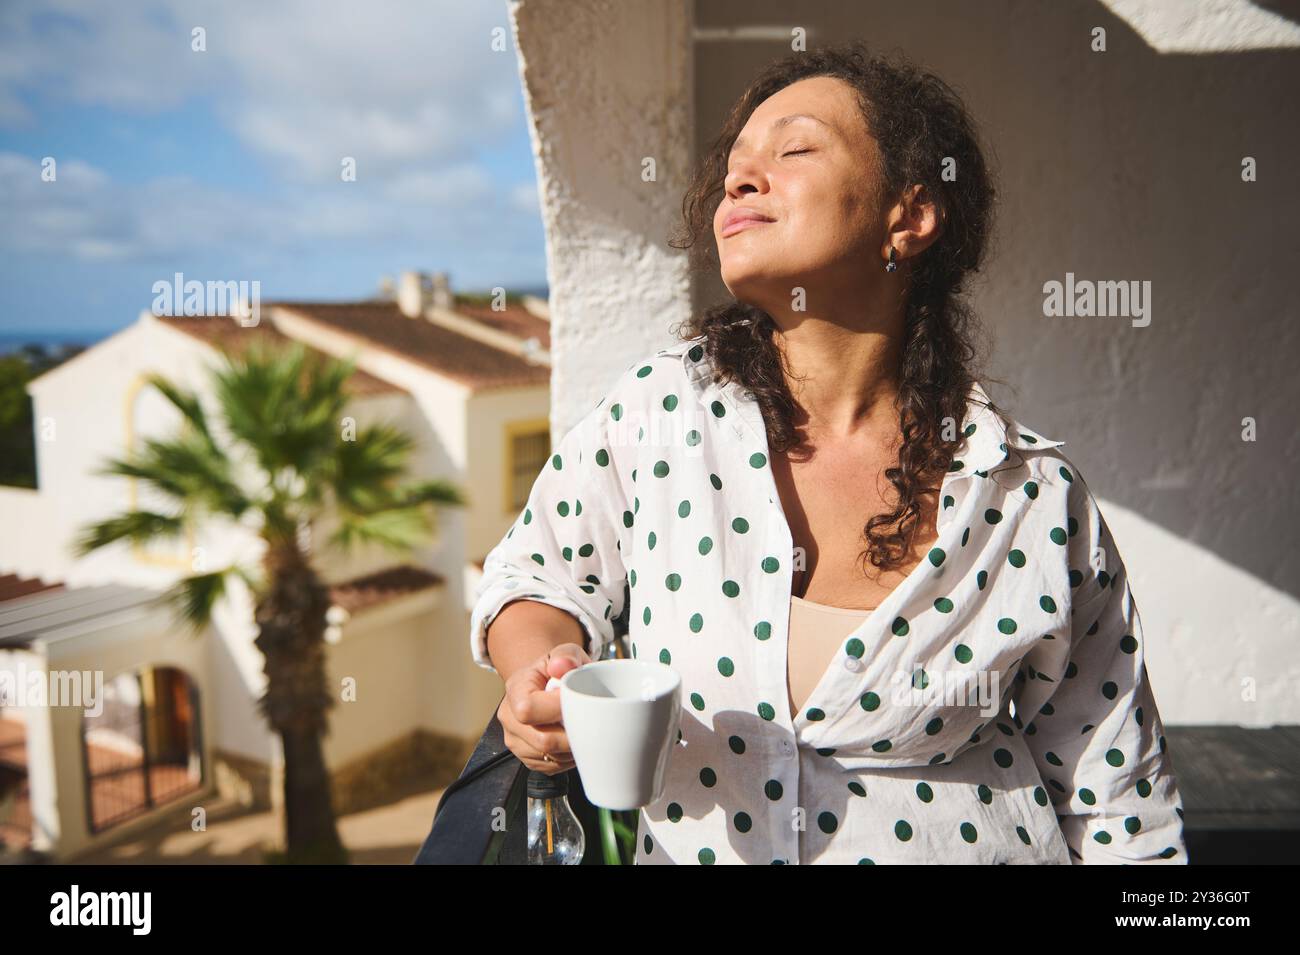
(1116, 165)
(608, 91)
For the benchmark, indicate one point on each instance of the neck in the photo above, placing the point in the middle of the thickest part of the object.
(843, 371)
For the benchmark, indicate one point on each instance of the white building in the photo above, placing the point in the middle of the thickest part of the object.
(469, 382)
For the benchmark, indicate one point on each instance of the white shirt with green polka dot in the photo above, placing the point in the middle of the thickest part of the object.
(994, 708)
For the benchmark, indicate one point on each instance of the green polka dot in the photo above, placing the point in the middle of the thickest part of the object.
(1065, 473)
(716, 482)
(646, 616)
(616, 412)
(539, 559)
(767, 711)
(981, 579)
(1016, 558)
(697, 701)
(1002, 757)
(697, 623)
(731, 588)
(773, 789)
(706, 545)
(757, 459)
(1087, 797)
(963, 653)
(665, 657)
(933, 727)
(968, 832)
(815, 714)
(674, 812)
(651, 540)
(1143, 788)
(857, 788)
(696, 353)
(855, 648)
(743, 822)
(763, 630)
(726, 667)
(1128, 643)
(771, 565)
(736, 744)
(567, 553)
(1058, 535)
(1103, 838)
(924, 792)
(670, 402)
(740, 525)
(1047, 603)
(902, 830)
(661, 469)
(1031, 489)
(1007, 625)
(900, 627)
(643, 371)
(936, 555)
(718, 409)
(1115, 758)
(985, 794)
(707, 856)
(869, 701)
(692, 438)
(708, 777)
(684, 509)
(827, 822)
(943, 605)
(673, 581)
(992, 515)
(1024, 836)
(882, 746)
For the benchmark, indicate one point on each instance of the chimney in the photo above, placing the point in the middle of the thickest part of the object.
(414, 293)
(442, 297)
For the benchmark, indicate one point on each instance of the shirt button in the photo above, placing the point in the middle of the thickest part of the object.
(785, 746)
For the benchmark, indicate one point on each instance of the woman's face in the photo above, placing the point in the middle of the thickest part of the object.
(806, 164)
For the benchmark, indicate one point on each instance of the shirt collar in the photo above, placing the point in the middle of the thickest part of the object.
(988, 437)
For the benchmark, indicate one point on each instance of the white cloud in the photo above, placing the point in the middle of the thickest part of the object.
(303, 82)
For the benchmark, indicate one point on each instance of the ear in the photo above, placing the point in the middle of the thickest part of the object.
(913, 224)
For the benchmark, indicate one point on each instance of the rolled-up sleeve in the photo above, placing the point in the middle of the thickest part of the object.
(565, 547)
(1093, 726)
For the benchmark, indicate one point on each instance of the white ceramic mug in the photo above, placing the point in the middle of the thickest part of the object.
(621, 717)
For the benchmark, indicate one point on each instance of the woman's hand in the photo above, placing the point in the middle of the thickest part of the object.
(530, 714)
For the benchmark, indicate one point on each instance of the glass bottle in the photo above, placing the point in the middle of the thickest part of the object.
(555, 835)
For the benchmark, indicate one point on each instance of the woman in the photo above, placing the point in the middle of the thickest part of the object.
(903, 629)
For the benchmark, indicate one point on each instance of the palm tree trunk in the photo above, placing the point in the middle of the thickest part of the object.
(291, 635)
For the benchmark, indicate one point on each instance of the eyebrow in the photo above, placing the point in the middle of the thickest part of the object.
(782, 123)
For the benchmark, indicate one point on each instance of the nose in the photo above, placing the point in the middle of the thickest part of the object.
(746, 176)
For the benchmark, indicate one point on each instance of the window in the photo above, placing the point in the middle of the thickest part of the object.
(528, 445)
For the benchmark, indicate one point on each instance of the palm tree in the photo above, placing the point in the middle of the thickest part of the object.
(283, 458)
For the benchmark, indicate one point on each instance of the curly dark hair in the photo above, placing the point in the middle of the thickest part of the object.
(917, 120)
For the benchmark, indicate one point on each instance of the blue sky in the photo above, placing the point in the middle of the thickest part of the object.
(224, 164)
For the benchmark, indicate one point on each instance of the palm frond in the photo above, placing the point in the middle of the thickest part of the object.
(399, 528)
(137, 526)
(194, 597)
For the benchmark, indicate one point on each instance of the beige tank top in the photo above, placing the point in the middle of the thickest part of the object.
(816, 633)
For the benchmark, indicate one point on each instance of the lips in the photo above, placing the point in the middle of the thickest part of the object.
(741, 219)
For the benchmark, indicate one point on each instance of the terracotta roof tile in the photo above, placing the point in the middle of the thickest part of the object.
(459, 357)
(373, 589)
(224, 332)
(514, 320)
(12, 586)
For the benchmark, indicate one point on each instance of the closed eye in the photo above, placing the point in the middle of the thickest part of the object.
(796, 152)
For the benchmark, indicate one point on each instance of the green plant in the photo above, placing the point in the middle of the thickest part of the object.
(282, 458)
